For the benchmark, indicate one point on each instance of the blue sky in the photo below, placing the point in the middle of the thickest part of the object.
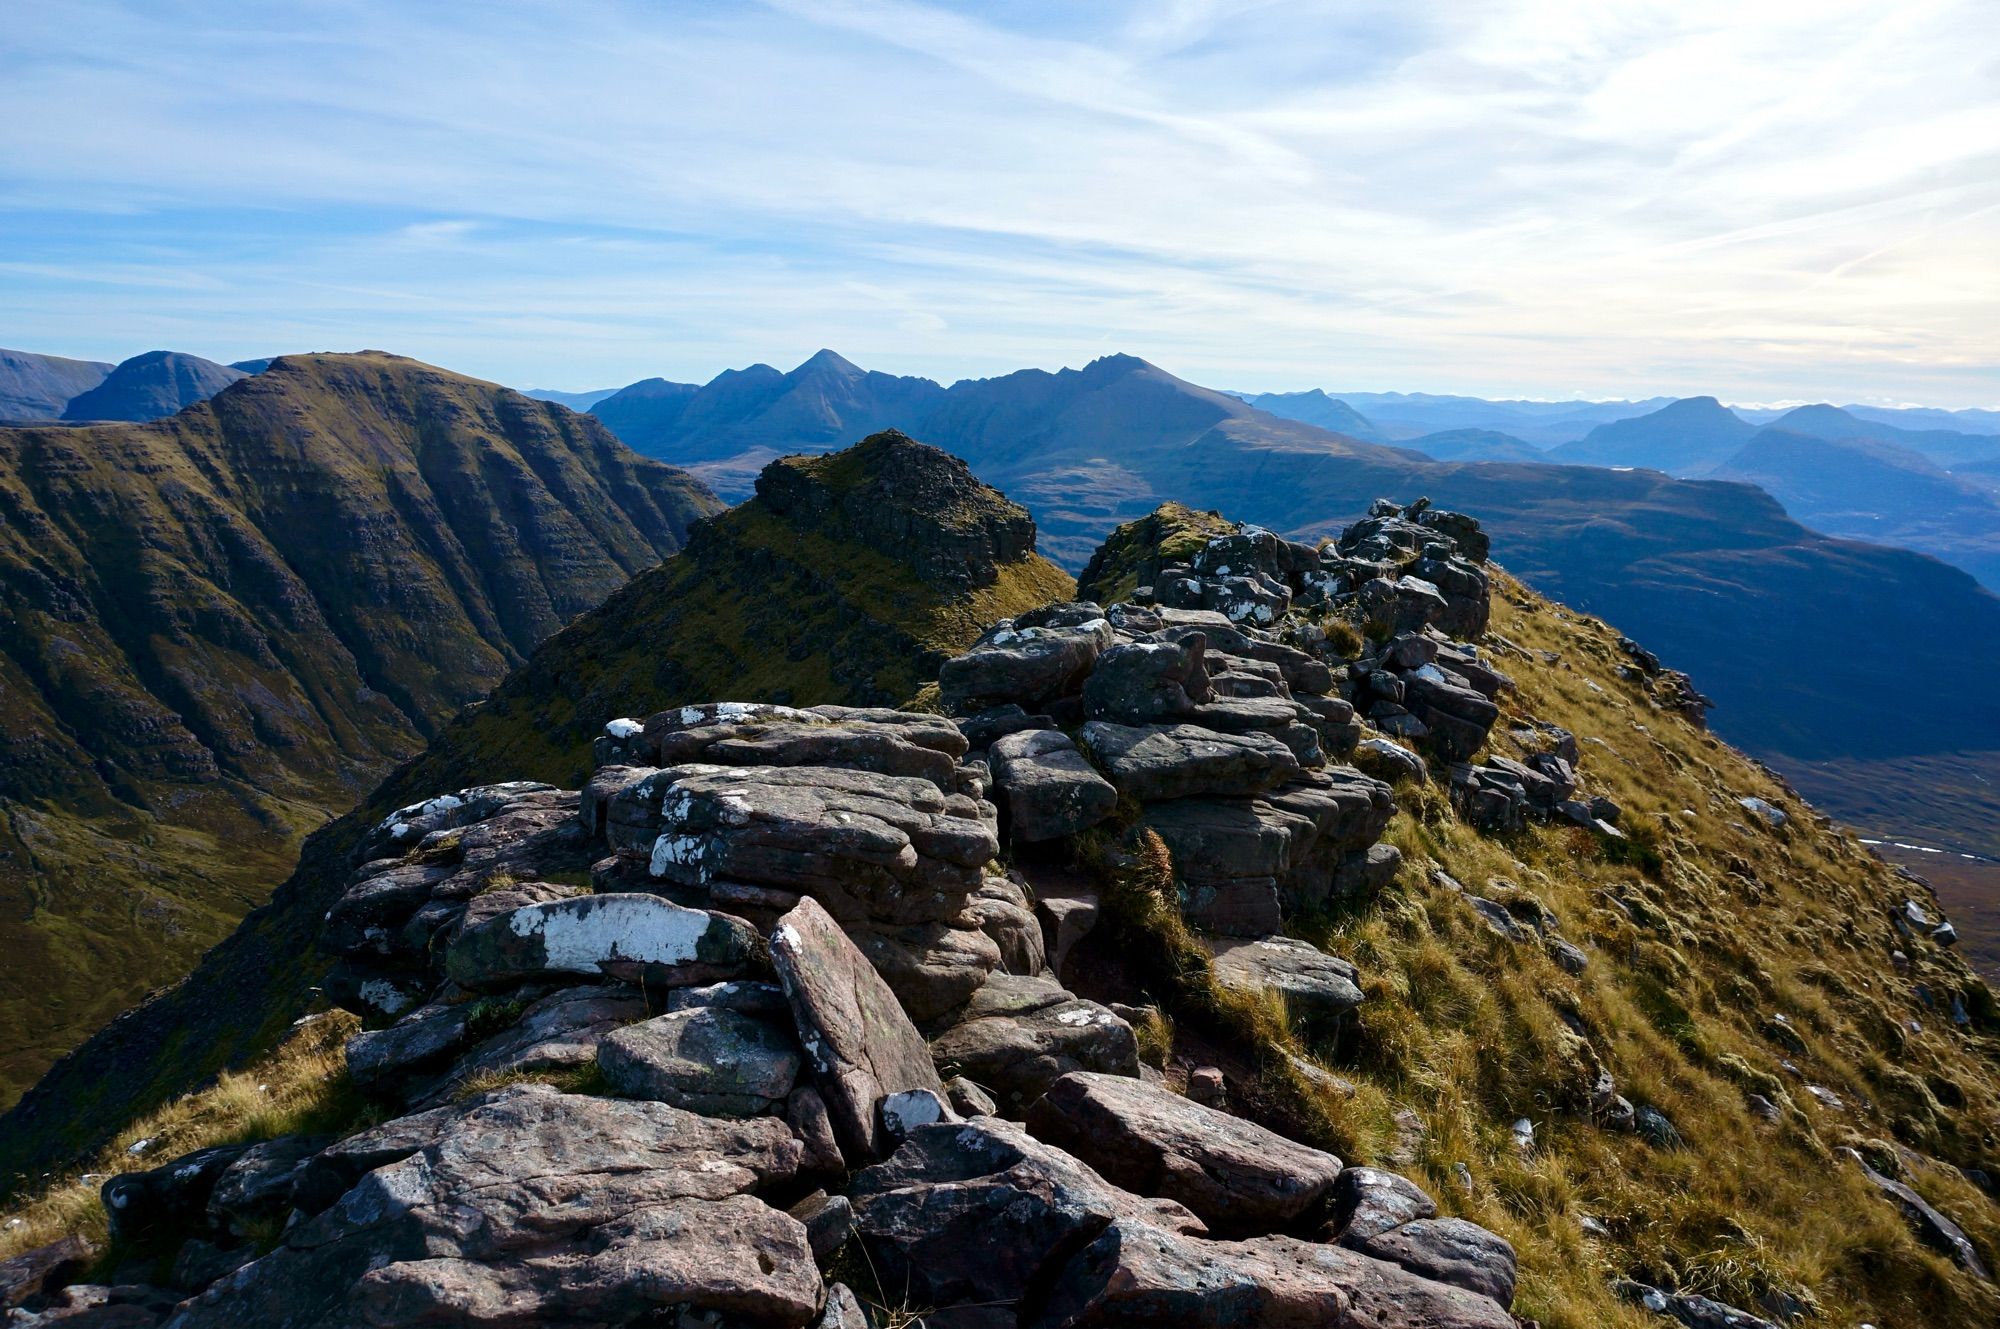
(1772, 201)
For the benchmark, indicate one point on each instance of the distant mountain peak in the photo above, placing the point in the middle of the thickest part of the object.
(825, 361)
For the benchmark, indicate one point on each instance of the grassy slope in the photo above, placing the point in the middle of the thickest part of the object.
(1735, 923)
(222, 628)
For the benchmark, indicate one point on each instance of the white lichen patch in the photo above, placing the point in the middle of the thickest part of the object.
(581, 936)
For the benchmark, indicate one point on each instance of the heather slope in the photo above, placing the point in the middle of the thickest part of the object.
(224, 626)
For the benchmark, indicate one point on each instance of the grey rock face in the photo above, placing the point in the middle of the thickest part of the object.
(858, 1042)
(1046, 788)
(1235, 1176)
(710, 1060)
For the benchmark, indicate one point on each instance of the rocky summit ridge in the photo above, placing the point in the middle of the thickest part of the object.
(1141, 976)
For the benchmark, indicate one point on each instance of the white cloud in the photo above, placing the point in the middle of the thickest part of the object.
(1516, 196)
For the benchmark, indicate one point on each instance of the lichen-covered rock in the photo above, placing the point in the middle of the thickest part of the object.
(638, 937)
(858, 1042)
(1234, 1175)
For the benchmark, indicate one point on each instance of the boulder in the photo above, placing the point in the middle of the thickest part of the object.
(1065, 920)
(258, 1187)
(858, 1042)
(1020, 1035)
(932, 968)
(1153, 762)
(1448, 1250)
(710, 1060)
(1390, 761)
(1046, 788)
(642, 938)
(977, 1212)
(1315, 985)
(891, 848)
(43, 1269)
(1136, 1273)
(1140, 682)
(171, 1197)
(1367, 1202)
(1235, 1176)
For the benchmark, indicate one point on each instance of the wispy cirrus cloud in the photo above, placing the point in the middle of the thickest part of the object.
(1515, 196)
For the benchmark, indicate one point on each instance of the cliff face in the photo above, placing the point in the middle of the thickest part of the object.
(223, 627)
(1319, 933)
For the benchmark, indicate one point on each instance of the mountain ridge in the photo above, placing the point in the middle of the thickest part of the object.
(224, 626)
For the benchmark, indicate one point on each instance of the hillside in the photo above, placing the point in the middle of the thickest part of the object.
(1117, 998)
(223, 627)
(38, 387)
(847, 580)
(1316, 408)
(1863, 489)
(1688, 437)
(151, 387)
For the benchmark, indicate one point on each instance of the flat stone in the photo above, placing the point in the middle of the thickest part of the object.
(1234, 1175)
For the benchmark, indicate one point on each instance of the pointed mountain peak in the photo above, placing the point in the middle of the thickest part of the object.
(826, 361)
